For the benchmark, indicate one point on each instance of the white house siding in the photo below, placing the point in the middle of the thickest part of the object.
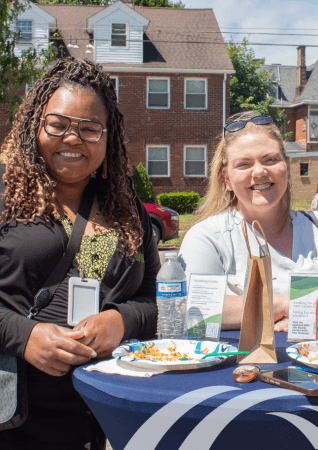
(132, 53)
(40, 32)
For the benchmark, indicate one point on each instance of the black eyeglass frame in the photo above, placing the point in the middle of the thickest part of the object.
(70, 123)
(256, 120)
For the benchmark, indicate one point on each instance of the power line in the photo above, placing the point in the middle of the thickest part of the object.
(154, 41)
(201, 34)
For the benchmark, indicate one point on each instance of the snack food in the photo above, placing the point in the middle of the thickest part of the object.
(308, 350)
(154, 354)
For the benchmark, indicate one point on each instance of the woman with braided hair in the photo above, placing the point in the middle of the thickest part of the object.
(68, 133)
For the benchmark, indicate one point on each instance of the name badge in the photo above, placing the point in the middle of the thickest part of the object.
(83, 299)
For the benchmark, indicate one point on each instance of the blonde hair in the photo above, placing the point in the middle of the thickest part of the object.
(218, 199)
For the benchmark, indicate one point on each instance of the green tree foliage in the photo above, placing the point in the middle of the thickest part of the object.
(143, 185)
(17, 71)
(249, 87)
(158, 3)
(75, 2)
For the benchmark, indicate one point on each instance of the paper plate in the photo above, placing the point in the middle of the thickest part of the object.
(294, 353)
(193, 349)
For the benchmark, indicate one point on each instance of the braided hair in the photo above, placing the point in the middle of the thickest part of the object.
(29, 189)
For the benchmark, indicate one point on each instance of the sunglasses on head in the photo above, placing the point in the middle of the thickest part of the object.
(239, 124)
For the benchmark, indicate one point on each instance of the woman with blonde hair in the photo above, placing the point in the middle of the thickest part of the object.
(250, 179)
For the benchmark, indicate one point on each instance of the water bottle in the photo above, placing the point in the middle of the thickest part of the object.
(171, 299)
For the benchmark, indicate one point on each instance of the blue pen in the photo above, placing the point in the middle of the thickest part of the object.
(305, 369)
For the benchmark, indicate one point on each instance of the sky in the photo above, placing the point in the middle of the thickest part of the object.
(268, 16)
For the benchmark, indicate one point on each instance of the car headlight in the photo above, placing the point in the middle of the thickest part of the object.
(174, 217)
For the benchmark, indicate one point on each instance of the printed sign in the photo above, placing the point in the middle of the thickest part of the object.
(302, 323)
(205, 306)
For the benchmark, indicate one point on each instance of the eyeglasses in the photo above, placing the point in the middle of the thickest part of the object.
(87, 130)
(239, 124)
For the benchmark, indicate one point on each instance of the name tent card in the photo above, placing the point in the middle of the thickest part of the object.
(302, 324)
(205, 306)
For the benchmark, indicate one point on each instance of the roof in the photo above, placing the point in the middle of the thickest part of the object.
(286, 77)
(310, 91)
(176, 38)
(293, 148)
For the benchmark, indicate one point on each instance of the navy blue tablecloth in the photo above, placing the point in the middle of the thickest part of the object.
(201, 409)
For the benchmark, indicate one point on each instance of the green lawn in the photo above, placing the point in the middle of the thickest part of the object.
(187, 220)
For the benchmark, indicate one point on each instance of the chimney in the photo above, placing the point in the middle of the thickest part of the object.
(301, 70)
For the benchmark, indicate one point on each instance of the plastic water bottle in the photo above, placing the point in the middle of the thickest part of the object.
(171, 299)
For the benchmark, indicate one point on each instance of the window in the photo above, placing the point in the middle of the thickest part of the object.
(114, 81)
(29, 86)
(196, 94)
(158, 93)
(304, 168)
(195, 161)
(313, 124)
(118, 38)
(158, 161)
(25, 26)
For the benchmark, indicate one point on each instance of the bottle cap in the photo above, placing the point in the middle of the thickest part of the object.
(171, 255)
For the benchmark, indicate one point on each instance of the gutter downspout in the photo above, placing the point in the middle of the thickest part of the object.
(224, 101)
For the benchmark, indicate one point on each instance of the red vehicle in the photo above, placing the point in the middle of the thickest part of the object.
(165, 222)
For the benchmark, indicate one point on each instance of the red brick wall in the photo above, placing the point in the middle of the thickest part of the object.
(4, 115)
(175, 127)
(290, 117)
(300, 134)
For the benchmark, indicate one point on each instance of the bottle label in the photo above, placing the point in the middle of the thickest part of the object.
(171, 289)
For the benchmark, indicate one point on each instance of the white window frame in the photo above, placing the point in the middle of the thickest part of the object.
(205, 160)
(118, 47)
(310, 108)
(168, 160)
(23, 41)
(29, 86)
(168, 92)
(117, 85)
(206, 93)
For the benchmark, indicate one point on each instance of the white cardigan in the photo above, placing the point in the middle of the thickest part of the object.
(217, 246)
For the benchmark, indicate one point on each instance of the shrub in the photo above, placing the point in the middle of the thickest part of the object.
(143, 185)
(179, 201)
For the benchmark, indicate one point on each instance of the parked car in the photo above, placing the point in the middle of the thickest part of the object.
(165, 222)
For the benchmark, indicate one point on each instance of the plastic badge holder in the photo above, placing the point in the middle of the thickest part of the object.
(83, 299)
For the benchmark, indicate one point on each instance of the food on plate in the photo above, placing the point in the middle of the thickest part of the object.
(308, 350)
(151, 353)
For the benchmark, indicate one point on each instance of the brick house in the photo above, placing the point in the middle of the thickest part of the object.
(170, 68)
(295, 89)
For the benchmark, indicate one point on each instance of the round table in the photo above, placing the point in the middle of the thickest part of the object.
(201, 409)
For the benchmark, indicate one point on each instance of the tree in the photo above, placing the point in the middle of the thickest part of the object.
(158, 3)
(249, 87)
(143, 185)
(17, 71)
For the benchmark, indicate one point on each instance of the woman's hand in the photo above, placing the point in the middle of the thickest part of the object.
(281, 325)
(102, 332)
(281, 312)
(54, 349)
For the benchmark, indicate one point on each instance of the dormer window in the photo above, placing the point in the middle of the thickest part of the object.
(119, 35)
(25, 27)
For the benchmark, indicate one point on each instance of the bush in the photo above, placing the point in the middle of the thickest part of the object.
(179, 201)
(143, 185)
